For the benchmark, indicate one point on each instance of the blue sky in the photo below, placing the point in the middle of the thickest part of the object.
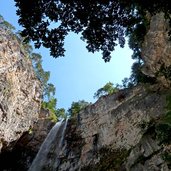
(79, 74)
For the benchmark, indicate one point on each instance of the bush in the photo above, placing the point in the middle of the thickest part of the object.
(163, 132)
(76, 107)
(163, 128)
(107, 89)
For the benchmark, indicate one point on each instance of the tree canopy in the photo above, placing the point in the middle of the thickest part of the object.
(76, 107)
(107, 89)
(103, 24)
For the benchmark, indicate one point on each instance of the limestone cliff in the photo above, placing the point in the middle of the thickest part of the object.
(127, 131)
(20, 90)
(117, 133)
(156, 49)
(26, 148)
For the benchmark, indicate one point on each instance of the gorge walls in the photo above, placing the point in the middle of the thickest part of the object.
(20, 90)
(117, 133)
(126, 131)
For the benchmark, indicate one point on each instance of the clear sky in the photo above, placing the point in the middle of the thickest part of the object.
(79, 74)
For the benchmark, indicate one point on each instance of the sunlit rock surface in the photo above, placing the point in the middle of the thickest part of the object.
(156, 49)
(117, 133)
(20, 91)
(113, 133)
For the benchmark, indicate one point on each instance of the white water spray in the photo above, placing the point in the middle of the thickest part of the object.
(48, 156)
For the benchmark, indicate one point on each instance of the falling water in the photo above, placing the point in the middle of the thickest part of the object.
(48, 156)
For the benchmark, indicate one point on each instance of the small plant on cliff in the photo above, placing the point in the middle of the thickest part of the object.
(163, 127)
(166, 156)
(110, 159)
(5, 24)
(164, 71)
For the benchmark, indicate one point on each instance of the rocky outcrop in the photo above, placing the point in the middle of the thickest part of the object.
(35, 136)
(126, 131)
(117, 133)
(20, 90)
(26, 148)
(129, 130)
(156, 49)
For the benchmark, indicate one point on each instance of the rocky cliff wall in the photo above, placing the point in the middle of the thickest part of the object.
(156, 49)
(26, 148)
(129, 130)
(126, 131)
(117, 133)
(20, 90)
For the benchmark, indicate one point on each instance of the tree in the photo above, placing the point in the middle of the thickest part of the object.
(107, 89)
(51, 106)
(5, 24)
(43, 76)
(61, 113)
(137, 76)
(49, 101)
(103, 24)
(76, 107)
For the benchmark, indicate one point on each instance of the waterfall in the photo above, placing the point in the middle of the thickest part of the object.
(48, 156)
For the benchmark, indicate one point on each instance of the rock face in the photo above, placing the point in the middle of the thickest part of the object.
(35, 136)
(26, 148)
(20, 91)
(129, 130)
(126, 131)
(117, 133)
(156, 49)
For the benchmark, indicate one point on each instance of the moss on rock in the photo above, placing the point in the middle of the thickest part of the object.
(110, 160)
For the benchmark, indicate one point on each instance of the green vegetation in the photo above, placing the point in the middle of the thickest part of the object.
(6, 24)
(107, 89)
(43, 76)
(103, 24)
(49, 101)
(137, 76)
(163, 127)
(109, 160)
(30, 131)
(61, 113)
(167, 157)
(164, 71)
(163, 131)
(76, 107)
(51, 106)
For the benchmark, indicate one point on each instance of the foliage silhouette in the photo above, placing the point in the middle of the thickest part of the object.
(103, 24)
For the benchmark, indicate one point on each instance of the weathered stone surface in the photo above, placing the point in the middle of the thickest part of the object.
(20, 90)
(26, 148)
(34, 137)
(117, 133)
(156, 49)
(112, 133)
